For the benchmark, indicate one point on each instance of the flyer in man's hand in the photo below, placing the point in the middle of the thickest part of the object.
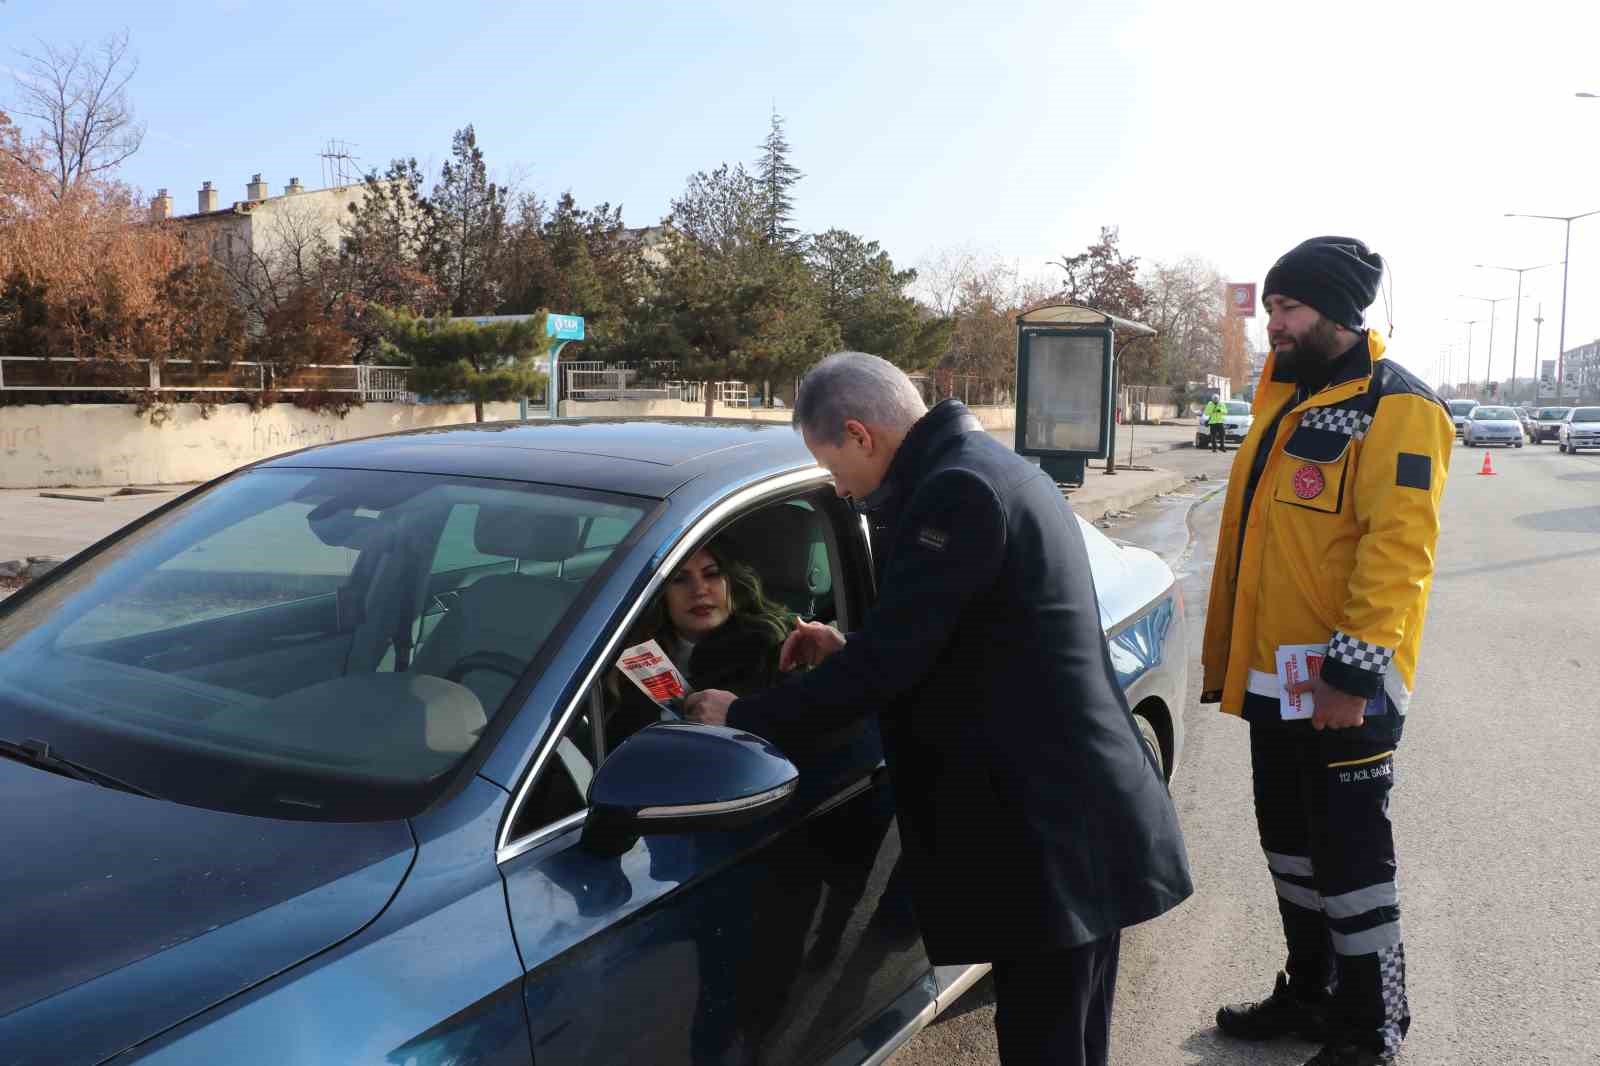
(1297, 663)
(649, 668)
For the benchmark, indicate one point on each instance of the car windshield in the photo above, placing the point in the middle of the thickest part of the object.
(1552, 414)
(1461, 407)
(1586, 414)
(1238, 407)
(303, 643)
(1497, 414)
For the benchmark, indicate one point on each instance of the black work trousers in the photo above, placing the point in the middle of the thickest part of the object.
(1218, 441)
(1054, 1009)
(1322, 807)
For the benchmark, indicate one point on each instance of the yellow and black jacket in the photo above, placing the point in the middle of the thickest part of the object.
(1338, 543)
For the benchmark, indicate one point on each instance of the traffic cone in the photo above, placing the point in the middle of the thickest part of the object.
(1487, 469)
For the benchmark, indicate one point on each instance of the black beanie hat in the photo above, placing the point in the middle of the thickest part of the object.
(1337, 276)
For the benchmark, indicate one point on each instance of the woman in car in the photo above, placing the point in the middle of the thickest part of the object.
(714, 622)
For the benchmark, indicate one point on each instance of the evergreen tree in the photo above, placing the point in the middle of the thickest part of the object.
(776, 176)
(450, 356)
(726, 319)
(865, 296)
(469, 228)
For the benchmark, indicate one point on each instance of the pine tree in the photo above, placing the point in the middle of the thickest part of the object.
(499, 361)
(469, 231)
(776, 176)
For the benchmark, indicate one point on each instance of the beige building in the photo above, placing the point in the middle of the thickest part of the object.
(263, 225)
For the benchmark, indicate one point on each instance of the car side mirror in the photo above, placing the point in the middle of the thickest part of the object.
(675, 777)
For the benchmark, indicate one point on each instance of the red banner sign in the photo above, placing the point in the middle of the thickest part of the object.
(1241, 299)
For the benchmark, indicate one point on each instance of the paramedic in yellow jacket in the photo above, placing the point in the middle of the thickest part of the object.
(1327, 548)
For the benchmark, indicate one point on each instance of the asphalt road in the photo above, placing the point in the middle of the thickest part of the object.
(1495, 804)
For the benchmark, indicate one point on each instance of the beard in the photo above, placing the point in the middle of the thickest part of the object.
(1310, 353)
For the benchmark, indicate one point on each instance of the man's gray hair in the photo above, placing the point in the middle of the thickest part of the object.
(856, 385)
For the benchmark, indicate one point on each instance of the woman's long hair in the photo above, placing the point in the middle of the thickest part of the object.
(746, 599)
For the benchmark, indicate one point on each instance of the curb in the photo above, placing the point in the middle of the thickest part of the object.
(1130, 498)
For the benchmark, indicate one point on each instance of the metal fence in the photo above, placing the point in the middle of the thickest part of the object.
(23, 373)
(970, 389)
(592, 382)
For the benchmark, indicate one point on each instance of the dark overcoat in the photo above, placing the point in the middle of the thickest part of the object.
(1031, 815)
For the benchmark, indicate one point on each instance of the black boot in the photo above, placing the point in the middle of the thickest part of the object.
(1281, 1014)
(1345, 1054)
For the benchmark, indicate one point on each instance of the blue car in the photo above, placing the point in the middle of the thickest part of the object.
(318, 764)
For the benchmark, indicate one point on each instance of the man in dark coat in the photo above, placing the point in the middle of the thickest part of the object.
(1035, 824)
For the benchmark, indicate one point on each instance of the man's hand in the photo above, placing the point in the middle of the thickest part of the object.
(708, 706)
(808, 645)
(1332, 708)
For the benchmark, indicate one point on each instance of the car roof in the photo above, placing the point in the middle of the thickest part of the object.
(639, 456)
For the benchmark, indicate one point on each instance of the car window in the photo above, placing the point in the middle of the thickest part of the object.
(1461, 407)
(456, 549)
(792, 548)
(338, 639)
(1550, 414)
(226, 573)
(1586, 414)
(1235, 407)
(1493, 414)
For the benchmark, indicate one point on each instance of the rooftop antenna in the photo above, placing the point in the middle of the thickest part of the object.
(340, 167)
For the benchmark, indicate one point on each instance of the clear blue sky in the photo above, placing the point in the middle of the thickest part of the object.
(1017, 129)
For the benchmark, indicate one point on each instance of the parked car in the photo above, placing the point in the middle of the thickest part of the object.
(317, 764)
(1580, 429)
(1459, 410)
(1235, 424)
(1525, 416)
(1492, 425)
(1547, 423)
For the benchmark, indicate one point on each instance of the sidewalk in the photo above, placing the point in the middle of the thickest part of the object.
(35, 527)
(1127, 488)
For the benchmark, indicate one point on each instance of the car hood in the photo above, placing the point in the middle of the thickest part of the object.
(125, 915)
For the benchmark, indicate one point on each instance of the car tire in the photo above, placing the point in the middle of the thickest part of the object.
(1152, 741)
(1562, 448)
(1519, 444)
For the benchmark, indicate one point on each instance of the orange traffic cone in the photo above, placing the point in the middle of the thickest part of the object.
(1487, 469)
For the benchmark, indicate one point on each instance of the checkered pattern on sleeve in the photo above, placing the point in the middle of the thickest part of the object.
(1338, 420)
(1359, 653)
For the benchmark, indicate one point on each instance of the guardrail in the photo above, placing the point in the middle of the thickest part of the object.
(27, 373)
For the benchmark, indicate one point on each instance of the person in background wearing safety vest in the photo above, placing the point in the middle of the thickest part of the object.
(1324, 561)
(1214, 412)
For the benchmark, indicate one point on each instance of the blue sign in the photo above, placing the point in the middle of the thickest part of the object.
(564, 327)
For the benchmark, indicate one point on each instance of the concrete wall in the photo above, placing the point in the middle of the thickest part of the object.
(84, 445)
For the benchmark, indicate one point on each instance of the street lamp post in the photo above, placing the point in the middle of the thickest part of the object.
(1538, 335)
(1488, 364)
(1516, 331)
(1566, 255)
(1469, 324)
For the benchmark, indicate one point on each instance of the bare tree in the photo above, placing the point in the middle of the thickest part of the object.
(78, 97)
(292, 257)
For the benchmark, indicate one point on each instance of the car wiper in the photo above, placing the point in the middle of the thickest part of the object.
(38, 754)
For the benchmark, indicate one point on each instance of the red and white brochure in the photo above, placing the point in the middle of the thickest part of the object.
(1297, 663)
(649, 668)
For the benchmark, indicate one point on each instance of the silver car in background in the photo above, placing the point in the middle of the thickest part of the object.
(1492, 425)
(1581, 429)
(1459, 411)
(1547, 423)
